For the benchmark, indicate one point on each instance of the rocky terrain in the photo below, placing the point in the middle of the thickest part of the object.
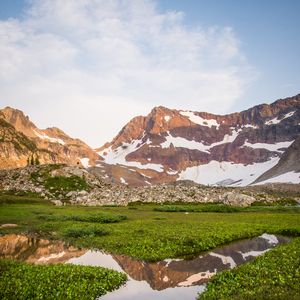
(233, 150)
(22, 144)
(64, 184)
(288, 166)
(256, 146)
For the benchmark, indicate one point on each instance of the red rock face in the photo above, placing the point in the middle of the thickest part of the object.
(20, 139)
(177, 140)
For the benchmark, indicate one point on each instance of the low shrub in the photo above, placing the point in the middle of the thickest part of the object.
(77, 232)
(64, 281)
(275, 275)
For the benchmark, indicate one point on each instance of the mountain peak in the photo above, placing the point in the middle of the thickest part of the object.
(23, 139)
(169, 144)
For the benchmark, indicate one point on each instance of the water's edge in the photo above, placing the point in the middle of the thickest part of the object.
(167, 279)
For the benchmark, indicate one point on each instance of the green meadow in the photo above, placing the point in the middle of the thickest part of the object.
(155, 232)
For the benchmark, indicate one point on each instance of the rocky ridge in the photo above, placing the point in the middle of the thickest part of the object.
(234, 149)
(23, 143)
(83, 188)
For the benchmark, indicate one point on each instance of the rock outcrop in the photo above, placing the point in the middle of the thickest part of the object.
(288, 166)
(22, 143)
(63, 185)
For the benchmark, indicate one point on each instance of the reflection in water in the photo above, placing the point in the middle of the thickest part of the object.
(32, 250)
(167, 279)
(177, 279)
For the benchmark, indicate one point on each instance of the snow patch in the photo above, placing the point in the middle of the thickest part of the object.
(85, 162)
(215, 171)
(250, 126)
(169, 260)
(172, 172)
(273, 121)
(276, 120)
(193, 145)
(118, 156)
(270, 147)
(225, 259)
(123, 180)
(289, 177)
(253, 253)
(167, 118)
(271, 238)
(291, 113)
(200, 121)
(184, 143)
(51, 139)
(197, 277)
(52, 256)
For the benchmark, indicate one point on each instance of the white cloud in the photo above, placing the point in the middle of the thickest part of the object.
(88, 66)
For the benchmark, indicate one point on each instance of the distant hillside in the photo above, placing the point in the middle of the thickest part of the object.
(234, 149)
(22, 143)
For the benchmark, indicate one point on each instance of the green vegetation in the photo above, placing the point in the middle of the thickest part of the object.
(198, 208)
(21, 197)
(33, 160)
(91, 218)
(58, 184)
(152, 232)
(280, 202)
(65, 184)
(26, 281)
(144, 232)
(275, 275)
(89, 231)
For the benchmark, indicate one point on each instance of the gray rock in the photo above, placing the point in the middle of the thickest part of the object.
(235, 199)
(82, 193)
(38, 190)
(57, 202)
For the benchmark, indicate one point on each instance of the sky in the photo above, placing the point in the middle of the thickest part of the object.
(89, 66)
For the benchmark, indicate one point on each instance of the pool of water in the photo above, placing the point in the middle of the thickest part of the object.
(166, 279)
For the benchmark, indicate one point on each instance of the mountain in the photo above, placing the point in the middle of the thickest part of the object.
(287, 168)
(235, 149)
(21, 142)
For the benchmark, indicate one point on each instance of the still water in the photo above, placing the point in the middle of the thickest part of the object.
(166, 279)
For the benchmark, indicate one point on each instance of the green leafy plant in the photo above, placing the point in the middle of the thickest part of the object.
(64, 281)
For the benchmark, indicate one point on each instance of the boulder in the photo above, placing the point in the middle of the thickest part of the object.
(57, 202)
(235, 199)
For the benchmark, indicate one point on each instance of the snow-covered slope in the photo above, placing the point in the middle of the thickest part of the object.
(235, 149)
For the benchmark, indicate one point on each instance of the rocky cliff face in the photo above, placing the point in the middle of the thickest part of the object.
(21, 141)
(288, 167)
(234, 149)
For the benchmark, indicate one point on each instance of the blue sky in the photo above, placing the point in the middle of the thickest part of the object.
(108, 61)
(269, 33)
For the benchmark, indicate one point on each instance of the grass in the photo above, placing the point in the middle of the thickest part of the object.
(155, 232)
(27, 281)
(89, 231)
(58, 184)
(198, 208)
(280, 202)
(21, 197)
(144, 232)
(275, 275)
(101, 218)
